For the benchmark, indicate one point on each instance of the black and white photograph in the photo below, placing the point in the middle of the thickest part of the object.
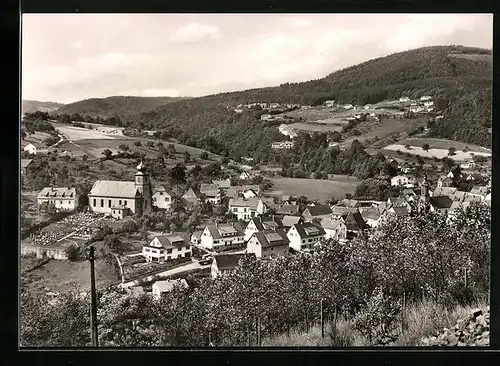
(255, 181)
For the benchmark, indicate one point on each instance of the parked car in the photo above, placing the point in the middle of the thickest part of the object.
(206, 259)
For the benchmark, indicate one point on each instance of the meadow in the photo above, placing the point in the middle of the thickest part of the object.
(436, 152)
(314, 189)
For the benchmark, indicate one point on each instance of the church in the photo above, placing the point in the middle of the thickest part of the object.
(120, 198)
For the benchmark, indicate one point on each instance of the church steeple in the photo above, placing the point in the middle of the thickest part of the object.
(424, 198)
(143, 185)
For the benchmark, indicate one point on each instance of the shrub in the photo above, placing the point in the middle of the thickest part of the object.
(74, 253)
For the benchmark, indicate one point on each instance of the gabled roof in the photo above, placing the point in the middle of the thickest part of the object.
(209, 190)
(266, 223)
(229, 261)
(350, 202)
(472, 198)
(168, 285)
(170, 241)
(111, 188)
(37, 145)
(341, 210)
(250, 203)
(222, 183)
(397, 201)
(289, 221)
(400, 211)
(354, 221)
(197, 234)
(331, 224)
(457, 205)
(444, 191)
(160, 188)
(370, 213)
(318, 210)
(288, 209)
(308, 230)
(223, 230)
(190, 194)
(57, 192)
(440, 201)
(271, 238)
(479, 190)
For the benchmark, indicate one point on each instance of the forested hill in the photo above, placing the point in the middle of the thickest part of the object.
(30, 106)
(460, 78)
(122, 106)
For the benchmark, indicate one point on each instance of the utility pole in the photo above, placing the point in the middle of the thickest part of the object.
(322, 321)
(93, 302)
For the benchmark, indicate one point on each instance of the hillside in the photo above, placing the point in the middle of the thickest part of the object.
(115, 106)
(30, 106)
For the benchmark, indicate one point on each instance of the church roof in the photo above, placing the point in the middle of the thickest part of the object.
(110, 188)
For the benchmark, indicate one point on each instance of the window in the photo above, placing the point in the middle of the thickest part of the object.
(169, 251)
(102, 203)
(235, 209)
(161, 193)
(120, 202)
(167, 199)
(94, 202)
(109, 203)
(125, 203)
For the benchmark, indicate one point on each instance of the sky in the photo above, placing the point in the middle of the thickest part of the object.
(70, 57)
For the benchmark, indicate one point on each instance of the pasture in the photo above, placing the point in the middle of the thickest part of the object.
(313, 189)
(316, 127)
(433, 152)
(79, 133)
(37, 138)
(444, 144)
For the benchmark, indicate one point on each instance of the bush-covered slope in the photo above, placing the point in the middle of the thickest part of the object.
(30, 106)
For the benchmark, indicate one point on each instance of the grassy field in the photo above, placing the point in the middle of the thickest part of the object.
(37, 137)
(435, 152)
(315, 127)
(62, 275)
(444, 144)
(421, 320)
(314, 189)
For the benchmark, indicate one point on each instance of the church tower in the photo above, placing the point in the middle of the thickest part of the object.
(424, 199)
(143, 185)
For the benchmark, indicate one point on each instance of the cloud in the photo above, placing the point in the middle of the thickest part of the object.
(194, 32)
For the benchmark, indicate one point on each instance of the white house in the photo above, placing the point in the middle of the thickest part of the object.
(212, 193)
(161, 287)
(246, 209)
(161, 197)
(244, 176)
(249, 193)
(282, 145)
(257, 224)
(268, 243)
(196, 237)
(348, 106)
(468, 164)
(371, 216)
(428, 104)
(304, 236)
(424, 98)
(34, 148)
(165, 248)
(416, 109)
(220, 236)
(329, 103)
(399, 180)
(266, 117)
(63, 198)
(404, 99)
(334, 228)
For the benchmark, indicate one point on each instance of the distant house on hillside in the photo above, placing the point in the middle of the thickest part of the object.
(191, 197)
(244, 176)
(35, 148)
(63, 198)
(162, 287)
(399, 180)
(329, 103)
(425, 98)
(268, 243)
(404, 100)
(470, 164)
(212, 193)
(266, 117)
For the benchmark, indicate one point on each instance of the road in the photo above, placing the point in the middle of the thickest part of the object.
(188, 267)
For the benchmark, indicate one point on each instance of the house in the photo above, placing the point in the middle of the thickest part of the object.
(329, 103)
(347, 106)
(34, 148)
(445, 182)
(196, 237)
(287, 209)
(429, 104)
(456, 207)
(473, 177)
(440, 204)
(371, 216)
(164, 248)
(354, 223)
(424, 98)
(282, 144)
(24, 164)
(335, 229)
(470, 164)
(249, 193)
(221, 236)
(223, 184)
(161, 197)
(227, 263)
(63, 198)
(416, 109)
(398, 212)
(135, 290)
(349, 203)
(404, 100)
(211, 192)
(246, 209)
(162, 287)
(288, 221)
(304, 236)
(106, 196)
(444, 191)
(244, 176)
(238, 191)
(257, 224)
(191, 197)
(473, 198)
(450, 175)
(339, 211)
(268, 243)
(399, 180)
(266, 117)
(316, 212)
(397, 202)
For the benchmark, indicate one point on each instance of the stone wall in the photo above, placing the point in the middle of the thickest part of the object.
(41, 252)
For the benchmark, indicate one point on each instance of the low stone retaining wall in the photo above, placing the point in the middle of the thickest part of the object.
(44, 252)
